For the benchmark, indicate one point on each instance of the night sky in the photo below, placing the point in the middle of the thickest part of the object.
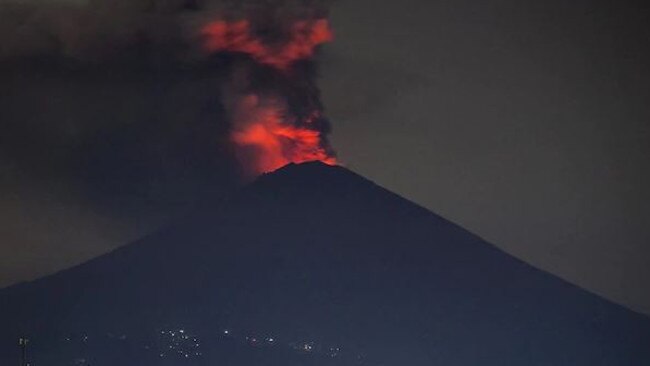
(525, 122)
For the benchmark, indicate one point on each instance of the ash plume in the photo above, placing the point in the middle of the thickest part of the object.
(266, 46)
(274, 103)
(134, 110)
(101, 30)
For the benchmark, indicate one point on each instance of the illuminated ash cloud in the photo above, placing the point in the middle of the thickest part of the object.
(258, 54)
(303, 38)
(115, 116)
(277, 120)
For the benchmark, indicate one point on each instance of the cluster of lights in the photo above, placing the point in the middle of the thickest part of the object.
(179, 343)
(311, 347)
(302, 347)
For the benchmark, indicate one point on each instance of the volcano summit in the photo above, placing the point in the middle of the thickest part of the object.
(314, 265)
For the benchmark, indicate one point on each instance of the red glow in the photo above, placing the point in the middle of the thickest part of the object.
(266, 134)
(275, 142)
(304, 37)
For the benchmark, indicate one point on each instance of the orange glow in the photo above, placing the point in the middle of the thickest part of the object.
(304, 37)
(267, 135)
(275, 142)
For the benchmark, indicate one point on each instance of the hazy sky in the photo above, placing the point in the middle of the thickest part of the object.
(526, 122)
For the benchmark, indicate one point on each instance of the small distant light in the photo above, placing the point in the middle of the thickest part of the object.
(226, 332)
(182, 331)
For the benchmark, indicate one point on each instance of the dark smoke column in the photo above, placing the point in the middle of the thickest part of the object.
(272, 99)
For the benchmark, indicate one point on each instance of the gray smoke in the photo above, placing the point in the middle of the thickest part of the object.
(112, 120)
(95, 30)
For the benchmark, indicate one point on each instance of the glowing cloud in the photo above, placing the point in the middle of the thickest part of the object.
(267, 134)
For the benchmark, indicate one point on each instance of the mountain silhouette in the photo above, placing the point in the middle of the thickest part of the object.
(314, 265)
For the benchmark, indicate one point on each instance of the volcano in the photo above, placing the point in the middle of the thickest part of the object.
(314, 265)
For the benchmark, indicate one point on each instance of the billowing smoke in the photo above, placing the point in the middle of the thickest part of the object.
(274, 103)
(131, 110)
(262, 53)
(297, 44)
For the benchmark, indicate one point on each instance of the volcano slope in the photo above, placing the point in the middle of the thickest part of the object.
(314, 265)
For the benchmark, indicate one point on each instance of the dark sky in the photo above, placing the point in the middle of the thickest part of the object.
(527, 122)
(523, 121)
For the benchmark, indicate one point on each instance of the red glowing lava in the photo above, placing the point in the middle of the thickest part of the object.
(238, 37)
(263, 127)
